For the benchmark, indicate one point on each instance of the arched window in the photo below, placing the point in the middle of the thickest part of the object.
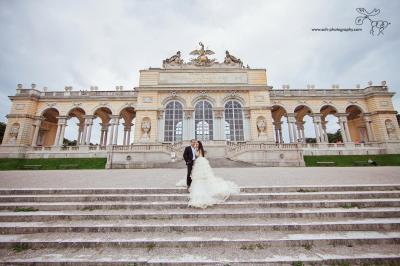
(204, 120)
(234, 117)
(173, 127)
(227, 131)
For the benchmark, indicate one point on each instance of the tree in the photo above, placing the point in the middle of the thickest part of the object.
(311, 140)
(335, 137)
(68, 142)
(2, 130)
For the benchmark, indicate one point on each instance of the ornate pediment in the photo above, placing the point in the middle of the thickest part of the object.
(202, 59)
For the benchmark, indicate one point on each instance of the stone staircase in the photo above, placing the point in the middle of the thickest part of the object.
(306, 225)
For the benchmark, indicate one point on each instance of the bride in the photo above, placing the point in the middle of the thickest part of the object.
(206, 188)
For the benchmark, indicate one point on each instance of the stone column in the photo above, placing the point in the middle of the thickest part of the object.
(36, 123)
(317, 127)
(161, 124)
(89, 122)
(294, 130)
(125, 133)
(344, 130)
(247, 126)
(300, 127)
(370, 132)
(106, 135)
(290, 120)
(116, 119)
(278, 132)
(56, 140)
(62, 132)
(128, 137)
(317, 118)
(187, 124)
(346, 127)
(324, 133)
(84, 133)
(62, 120)
(110, 142)
(80, 132)
(103, 134)
(219, 126)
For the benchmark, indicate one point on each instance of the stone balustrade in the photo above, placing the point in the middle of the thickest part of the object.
(74, 94)
(327, 92)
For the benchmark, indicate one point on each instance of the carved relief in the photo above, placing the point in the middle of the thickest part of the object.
(146, 127)
(261, 127)
(14, 130)
(391, 130)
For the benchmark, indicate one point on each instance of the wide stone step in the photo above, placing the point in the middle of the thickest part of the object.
(345, 203)
(181, 197)
(199, 239)
(186, 213)
(197, 225)
(304, 188)
(245, 255)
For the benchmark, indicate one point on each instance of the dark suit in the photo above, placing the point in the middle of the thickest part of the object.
(188, 157)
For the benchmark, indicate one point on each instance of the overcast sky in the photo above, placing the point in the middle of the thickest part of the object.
(106, 43)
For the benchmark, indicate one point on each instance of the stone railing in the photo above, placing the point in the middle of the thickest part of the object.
(93, 148)
(255, 146)
(347, 145)
(230, 147)
(237, 147)
(75, 94)
(327, 92)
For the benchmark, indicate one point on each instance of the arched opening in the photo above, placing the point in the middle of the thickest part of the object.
(203, 120)
(234, 118)
(280, 124)
(100, 133)
(75, 125)
(356, 125)
(304, 130)
(330, 124)
(173, 123)
(48, 128)
(125, 129)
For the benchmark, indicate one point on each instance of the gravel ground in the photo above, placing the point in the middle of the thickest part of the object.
(167, 178)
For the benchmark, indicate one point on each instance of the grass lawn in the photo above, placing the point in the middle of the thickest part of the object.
(348, 160)
(54, 163)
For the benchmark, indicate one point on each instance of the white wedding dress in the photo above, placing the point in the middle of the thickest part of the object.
(206, 188)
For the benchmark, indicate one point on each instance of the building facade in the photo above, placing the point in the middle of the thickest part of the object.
(227, 105)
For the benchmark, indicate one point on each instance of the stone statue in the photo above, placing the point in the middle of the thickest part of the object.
(14, 134)
(391, 130)
(202, 59)
(230, 59)
(261, 127)
(146, 126)
(175, 59)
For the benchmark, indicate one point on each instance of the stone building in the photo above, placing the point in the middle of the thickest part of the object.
(227, 105)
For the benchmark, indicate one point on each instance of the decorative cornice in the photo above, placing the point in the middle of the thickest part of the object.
(386, 112)
(20, 116)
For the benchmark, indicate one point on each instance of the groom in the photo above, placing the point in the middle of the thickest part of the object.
(190, 156)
